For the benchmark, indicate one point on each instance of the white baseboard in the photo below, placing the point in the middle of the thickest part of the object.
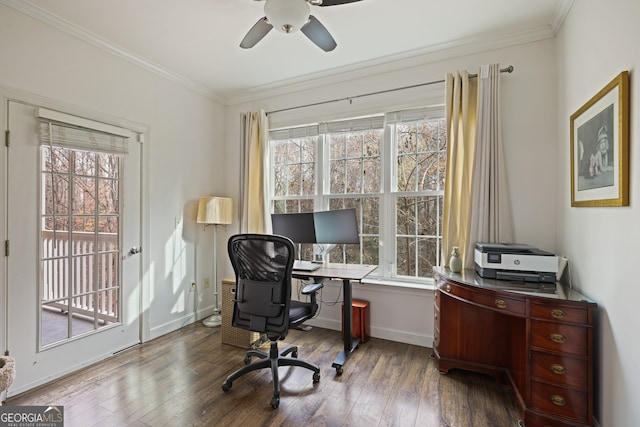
(376, 332)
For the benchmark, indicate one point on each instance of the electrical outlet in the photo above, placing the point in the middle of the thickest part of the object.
(207, 282)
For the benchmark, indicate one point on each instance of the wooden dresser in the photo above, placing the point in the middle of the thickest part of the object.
(539, 342)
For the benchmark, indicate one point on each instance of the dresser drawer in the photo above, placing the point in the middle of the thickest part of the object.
(487, 299)
(561, 401)
(566, 370)
(535, 420)
(560, 337)
(559, 313)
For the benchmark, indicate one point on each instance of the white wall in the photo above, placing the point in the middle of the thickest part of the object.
(597, 42)
(529, 100)
(184, 146)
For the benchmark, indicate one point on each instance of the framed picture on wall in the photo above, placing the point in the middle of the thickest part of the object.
(600, 147)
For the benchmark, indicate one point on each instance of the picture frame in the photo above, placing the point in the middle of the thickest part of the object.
(600, 147)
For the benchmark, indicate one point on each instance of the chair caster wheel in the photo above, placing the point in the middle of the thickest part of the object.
(275, 402)
(316, 377)
(226, 386)
(339, 370)
(247, 360)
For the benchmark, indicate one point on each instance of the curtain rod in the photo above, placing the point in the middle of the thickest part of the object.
(508, 69)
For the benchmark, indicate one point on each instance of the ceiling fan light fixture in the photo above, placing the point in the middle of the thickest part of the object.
(287, 16)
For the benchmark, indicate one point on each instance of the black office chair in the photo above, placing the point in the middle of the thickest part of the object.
(263, 265)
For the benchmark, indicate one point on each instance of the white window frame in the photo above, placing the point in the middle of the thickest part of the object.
(386, 272)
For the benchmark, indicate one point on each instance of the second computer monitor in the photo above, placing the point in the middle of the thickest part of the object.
(336, 227)
(298, 227)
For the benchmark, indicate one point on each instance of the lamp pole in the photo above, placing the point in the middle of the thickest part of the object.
(214, 211)
(216, 318)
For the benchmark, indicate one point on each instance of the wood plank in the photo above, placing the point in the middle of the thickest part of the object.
(176, 380)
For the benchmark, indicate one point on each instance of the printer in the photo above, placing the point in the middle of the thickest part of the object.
(515, 262)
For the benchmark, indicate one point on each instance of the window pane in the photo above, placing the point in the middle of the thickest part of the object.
(371, 175)
(405, 258)
(371, 215)
(428, 250)
(429, 215)
(293, 166)
(108, 196)
(84, 163)
(337, 149)
(279, 187)
(57, 198)
(406, 216)
(406, 137)
(109, 166)
(84, 192)
(406, 179)
(108, 225)
(294, 180)
(308, 172)
(370, 250)
(354, 176)
(55, 274)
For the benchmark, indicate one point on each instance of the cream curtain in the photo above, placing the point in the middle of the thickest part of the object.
(491, 221)
(255, 167)
(461, 115)
(476, 205)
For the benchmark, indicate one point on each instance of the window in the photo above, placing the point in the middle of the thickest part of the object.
(80, 229)
(389, 167)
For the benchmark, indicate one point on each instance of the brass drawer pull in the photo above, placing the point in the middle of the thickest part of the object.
(500, 303)
(558, 369)
(558, 314)
(447, 288)
(558, 338)
(558, 400)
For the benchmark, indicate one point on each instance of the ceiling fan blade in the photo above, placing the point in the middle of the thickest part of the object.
(317, 33)
(256, 33)
(336, 2)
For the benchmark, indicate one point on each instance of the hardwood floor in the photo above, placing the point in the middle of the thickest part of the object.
(175, 380)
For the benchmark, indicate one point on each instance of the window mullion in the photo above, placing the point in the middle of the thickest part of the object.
(387, 204)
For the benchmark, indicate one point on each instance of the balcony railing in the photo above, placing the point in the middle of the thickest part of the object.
(93, 275)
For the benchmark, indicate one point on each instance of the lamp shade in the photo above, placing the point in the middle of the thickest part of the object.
(287, 16)
(215, 210)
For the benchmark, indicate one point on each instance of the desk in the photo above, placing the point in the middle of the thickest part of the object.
(346, 273)
(541, 343)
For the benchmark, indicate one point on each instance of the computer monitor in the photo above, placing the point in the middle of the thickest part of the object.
(336, 227)
(299, 227)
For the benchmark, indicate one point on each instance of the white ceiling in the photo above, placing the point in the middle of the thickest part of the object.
(196, 42)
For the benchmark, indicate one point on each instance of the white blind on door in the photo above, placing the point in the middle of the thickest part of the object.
(76, 138)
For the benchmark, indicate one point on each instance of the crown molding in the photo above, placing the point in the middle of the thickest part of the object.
(74, 30)
(414, 58)
(410, 59)
(560, 14)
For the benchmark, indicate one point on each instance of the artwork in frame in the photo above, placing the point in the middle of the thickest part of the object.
(600, 147)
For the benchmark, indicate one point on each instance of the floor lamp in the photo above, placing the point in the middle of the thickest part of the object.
(215, 211)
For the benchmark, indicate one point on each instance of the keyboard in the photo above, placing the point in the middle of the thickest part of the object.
(305, 265)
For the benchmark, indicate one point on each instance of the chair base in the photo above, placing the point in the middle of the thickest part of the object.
(273, 360)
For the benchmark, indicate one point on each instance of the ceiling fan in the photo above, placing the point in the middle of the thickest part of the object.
(290, 16)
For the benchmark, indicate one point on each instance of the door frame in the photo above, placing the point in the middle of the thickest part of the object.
(11, 94)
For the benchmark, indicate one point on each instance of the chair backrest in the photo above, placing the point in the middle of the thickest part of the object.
(263, 264)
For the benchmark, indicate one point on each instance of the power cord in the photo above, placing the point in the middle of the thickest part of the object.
(194, 287)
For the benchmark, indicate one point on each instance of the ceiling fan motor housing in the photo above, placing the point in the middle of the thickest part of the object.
(287, 16)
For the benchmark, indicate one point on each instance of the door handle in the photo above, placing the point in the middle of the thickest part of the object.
(134, 251)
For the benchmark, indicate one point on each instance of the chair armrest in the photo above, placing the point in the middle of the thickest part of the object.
(312, 288)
